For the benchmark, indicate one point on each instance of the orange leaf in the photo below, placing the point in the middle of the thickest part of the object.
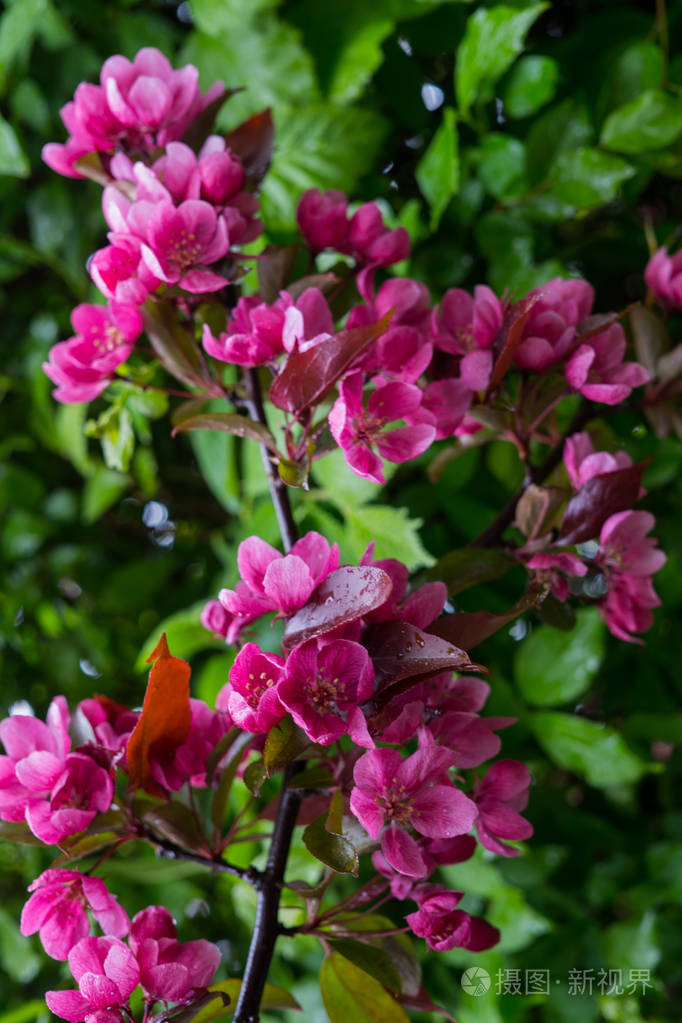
(165, 719)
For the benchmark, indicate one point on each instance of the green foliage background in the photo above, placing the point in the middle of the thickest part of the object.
(516, 142)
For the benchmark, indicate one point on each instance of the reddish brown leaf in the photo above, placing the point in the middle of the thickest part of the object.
(275, 268)
(252, 140)
(511, 335)
(173, 345)
(468, 630)
(203, 125)
(308, 376)
(165, 719)
(228, 422)
(345, 595)
(600, 497)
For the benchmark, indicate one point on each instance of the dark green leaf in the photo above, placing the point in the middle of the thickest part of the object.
(228, 422)
(332, 849)
(469, 566)
(285, 742)
(502, 165)
(437, 172)
(13, 162)
(585, 177)
(651, 121)
(531, 83)
(371, 959)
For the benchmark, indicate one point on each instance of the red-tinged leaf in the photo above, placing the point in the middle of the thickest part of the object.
(308, 376)
(401, 651)
(468, 630)
(537, 509)
(651, 337)
(275, 268)
(91, 166)
(511, 334)
(599, 498)
(173, 344)
(228, 422)
(468, 566)
(345, 595)
(176, 823)
(349, 993)
(285, 743)
(323, 282)
(165, 719)
(252, 141)
(422, 1003)
(202, 125)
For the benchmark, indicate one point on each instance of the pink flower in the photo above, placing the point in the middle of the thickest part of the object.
(58, 910)
(583, 462)
(404, 351)
(444, 926)
(420, 608)
(663, 276)
(35, 758)
(323, 220)
(278, 582)
(596, 369)
(468, 327)
(138, 106)
(83, 366)
(180, 241)
(550, 328)
(553, 568)
(322, 688)
(408, 793)
(106, 973)
(119, 272)
(470, 738)
(251, 696)
(216, 619)
(187, 763)
(435, 852)
(170, 971)
(111, 723)
(253, 336)
(83, 790)
(500, 797)
(357, 431)
(370, 241)
(448, 401)
(628, 558)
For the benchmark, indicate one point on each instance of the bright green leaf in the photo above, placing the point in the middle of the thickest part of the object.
(593, 750)
(184, 632)
(651, 121)
(396, 534)
(437, 172)
(502, 165)
(531, 83)
(585, 177)
(19, 961)
(101, 491)
(349, 993)
(637, 68)
(553, 667)
(494, 36)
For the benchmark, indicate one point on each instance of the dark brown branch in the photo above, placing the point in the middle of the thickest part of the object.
(493, 533)
(171, 851)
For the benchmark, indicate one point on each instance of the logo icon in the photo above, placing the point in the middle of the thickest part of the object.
(475, 981)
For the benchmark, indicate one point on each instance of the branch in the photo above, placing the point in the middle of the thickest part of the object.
(493, 533)
(171, 851)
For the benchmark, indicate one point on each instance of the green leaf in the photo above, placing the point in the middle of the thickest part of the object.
(228, 422)
(343, 487)
(397, 535)
(494, 36)
(216, 455)
(592, 750)
(637, 68)
(437, 172)
(114, 428)
(530, 84)
(255, 776)
(469, 566)
(349, 993)
(317, 147)
(184, 632)
(334, 850)
(34, 1010)
(285, 742)
(633, 944)
(13, 161)
(651, 121)
(502, 165)
(553, 667)
(370, 959)
(227, 775)
(101, 491)
(19, 961)
(562, 128)
(585, 177)
(273, 998)
(178, 824)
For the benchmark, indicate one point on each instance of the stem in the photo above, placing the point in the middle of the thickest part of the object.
(266, 928)
(278, 488)
(173, 852)
(493, 534)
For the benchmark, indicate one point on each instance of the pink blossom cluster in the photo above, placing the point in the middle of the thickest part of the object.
(106, 969)
(625, 557)
(663, 276)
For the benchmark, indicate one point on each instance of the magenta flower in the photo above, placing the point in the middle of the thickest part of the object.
(550, 328)
(553, 569)
(170, 971)
(468, 327)
(448, 401)
(58, 910)
(596, 368)
(471, 739)
(323, 687)
(180, 241)
(435, 852)
(250, 697)
(412, 793)
(278, 582)
(119, 272)
(628, 558)
(370, 241)
(500, 797)
(583, 462)
(357, 431)
(106, 972)
(253, 337)
(444, 926)
(420, 608)
(663, 276)
(111, 723)
(141, 105)
(187, 762)
(323, 220)
(35, 757)
(83, 366)
(83, 790)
